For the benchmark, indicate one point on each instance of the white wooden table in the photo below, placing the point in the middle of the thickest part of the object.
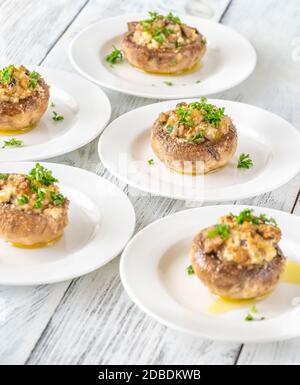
(91, 320)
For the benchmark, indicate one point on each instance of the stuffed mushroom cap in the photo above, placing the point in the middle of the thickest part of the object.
(163, 44)
(194, 138)
(239, 258)
(24, 98)
(32, 209)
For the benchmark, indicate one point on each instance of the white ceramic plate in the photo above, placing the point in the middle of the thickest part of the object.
(101, 221)
(272, 143)
(86, 110)
(155, 277)
(229, 60)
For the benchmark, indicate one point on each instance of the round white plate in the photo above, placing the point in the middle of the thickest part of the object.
(101, 221)
(229, 60)
(272, 143)
(155, 277)
(86, 110)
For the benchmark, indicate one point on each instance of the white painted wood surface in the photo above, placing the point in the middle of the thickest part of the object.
(91, 320)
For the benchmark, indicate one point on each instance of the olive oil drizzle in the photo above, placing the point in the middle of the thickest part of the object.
(9, 132)
(39, 245)
(223, 305)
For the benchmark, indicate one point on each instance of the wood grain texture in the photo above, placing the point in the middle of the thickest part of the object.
(92, 320)
(28, 30)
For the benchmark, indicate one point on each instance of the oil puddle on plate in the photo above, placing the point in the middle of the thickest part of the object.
(190, 293)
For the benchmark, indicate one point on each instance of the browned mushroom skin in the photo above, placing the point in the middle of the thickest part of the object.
(234, 280)
(192, 158)
(26, 112)
(162, 60)
(27, 224)
(29, 228)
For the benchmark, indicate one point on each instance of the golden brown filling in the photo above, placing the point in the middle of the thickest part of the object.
(18, 83)
(245, 239)
(35, 192)
(166, 32)
(196, 122)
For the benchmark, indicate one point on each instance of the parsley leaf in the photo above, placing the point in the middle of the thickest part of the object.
(190, 270)
(251, 315)
(22, 199)
(168, 83)
(42, 175)
(158, 36)
(4, 176)
(6, 74)
(173, 19)
(115, 56)
(248, 216)
(196, 137)
(56, 117)
(169, 128)
(211, 113)
(40, 197)
(219, 230)
(57, 199)
(33, 79)
(244, 161)
(151, 162)
(12, 143)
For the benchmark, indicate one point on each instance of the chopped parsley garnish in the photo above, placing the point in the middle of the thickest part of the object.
(173, 62)
(115, 56)
(40, 197)
(247, 216)
(198, 81)
(190, 270)
(254, 309)
(42, 175)
(169, 128)
(219, 230)
(4, 176)
(57, 199)
(196, 137)
(168, 83)
(173, 19)
(251, 315)
(33, 79)
(183, 115)
(270, 221)
(154, 16)
(151, 162)
(158, 36)
(244, 161)
(23, 199)
(56, 117)
(12, 143)
(52, 105)
(211, 114)
(6, 74)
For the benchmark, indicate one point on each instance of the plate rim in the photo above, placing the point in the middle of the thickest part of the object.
(68, 276)
(246, 195)
(73, 147)
(153, 95)
(137, 302)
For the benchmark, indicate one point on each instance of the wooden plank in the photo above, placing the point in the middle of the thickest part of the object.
(28, 29)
